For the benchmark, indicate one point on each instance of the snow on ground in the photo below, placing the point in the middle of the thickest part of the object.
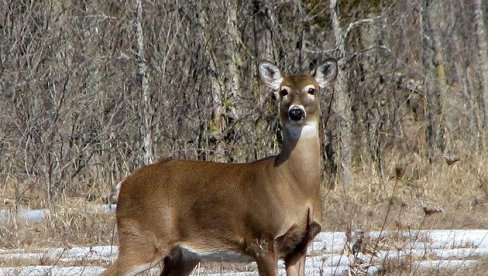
(38, 215)
(431, 249)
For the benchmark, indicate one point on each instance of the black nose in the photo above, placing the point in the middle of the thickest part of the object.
(295, 114)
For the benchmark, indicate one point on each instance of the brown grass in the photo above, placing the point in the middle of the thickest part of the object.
(66, 227)
(460, 190)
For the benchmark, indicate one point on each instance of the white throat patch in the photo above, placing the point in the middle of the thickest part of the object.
(301, 131)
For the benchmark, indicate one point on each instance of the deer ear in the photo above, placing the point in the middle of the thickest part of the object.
(270, 74)
(326, 72)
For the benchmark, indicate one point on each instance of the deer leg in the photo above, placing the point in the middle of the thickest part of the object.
(295, 263)
(267, 264)
(139, 249)
(178, 263)
(133, 258)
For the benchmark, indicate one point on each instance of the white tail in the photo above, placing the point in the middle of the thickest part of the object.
(189, 211)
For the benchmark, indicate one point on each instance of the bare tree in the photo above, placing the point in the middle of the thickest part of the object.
(343, 98)
(263, 44)
(429, 47)
(482, 60)
(146, 128)
(232, 56)
(342, 101)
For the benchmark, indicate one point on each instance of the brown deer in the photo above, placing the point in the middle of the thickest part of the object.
(190, 211)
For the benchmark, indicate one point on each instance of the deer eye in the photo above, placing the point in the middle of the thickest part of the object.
(311, 91)
(283, 92)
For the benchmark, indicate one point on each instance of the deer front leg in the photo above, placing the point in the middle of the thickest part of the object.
(267, 264)
(295, 263)
(264, 254)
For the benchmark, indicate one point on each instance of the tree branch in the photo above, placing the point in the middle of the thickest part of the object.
(356, 24)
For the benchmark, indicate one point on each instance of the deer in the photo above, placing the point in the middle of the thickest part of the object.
(182, 212)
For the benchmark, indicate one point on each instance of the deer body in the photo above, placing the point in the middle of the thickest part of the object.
(186, 211)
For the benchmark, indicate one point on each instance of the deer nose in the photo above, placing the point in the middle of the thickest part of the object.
(296, 114)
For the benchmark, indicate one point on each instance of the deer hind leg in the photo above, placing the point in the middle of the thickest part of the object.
(137, 253)
(179, 263)
(135, 258)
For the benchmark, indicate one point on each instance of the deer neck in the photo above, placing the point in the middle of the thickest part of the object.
(301, 154)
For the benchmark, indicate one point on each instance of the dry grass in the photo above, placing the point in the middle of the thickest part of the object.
(66, 227)
(459, 190)
(404, 267)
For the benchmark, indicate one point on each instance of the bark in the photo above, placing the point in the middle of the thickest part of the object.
(146, 131)
(462, 75)
(263, 43)
(473, 124)
(342, 103)
(233, 57)
(376, 116)
(483, 62)
(435, 80)
(435, 18)
(218, 123)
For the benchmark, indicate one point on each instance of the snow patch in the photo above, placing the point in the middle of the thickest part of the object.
(431, 249)
(38, 215)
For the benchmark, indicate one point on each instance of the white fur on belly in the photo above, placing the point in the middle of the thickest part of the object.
(214, 255)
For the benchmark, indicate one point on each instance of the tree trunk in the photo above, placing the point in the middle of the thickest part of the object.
(233, 58)
(342, 104)
(143, 82)
(436, 12)
(482, 62)
(263, 43)
(218, 123)
(435, 80)
(462, 74)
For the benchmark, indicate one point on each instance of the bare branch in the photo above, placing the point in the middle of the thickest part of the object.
(357, 23)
